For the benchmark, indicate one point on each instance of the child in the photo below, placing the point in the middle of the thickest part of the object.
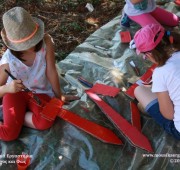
(146, 12)
(30, 59)
(163, 103)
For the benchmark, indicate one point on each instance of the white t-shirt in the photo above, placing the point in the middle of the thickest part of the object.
(33, 77)
(167, 78)
(130, 10)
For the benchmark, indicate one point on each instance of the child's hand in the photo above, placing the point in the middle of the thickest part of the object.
(15, 86)
(69, 98)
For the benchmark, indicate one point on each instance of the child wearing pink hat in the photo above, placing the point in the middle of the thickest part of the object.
(162, 102)
(146, 12)
(30, 62)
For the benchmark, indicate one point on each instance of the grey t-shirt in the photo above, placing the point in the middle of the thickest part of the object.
(131, 10)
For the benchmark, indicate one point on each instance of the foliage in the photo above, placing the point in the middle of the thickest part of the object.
(68, 21)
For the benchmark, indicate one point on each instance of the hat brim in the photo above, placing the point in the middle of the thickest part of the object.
(27, 44)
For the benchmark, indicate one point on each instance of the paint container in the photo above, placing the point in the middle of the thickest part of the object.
(125, 36)
(23, 161)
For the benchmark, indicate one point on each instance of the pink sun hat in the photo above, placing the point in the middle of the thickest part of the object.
(148, 37)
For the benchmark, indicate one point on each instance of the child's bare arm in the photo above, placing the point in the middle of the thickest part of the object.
(165, 105)
(3, 79)
(52, 74)
(51, 70)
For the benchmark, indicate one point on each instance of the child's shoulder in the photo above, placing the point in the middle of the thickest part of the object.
(6, 54)
(5, 57)
(47, 38)
(48, 41)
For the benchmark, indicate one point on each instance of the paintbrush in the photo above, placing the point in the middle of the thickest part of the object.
(36, 98)
(134, 67)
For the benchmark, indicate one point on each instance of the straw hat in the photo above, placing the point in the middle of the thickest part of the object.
(21, 31)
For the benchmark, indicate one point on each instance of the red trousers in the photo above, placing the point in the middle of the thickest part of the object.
(15, 107)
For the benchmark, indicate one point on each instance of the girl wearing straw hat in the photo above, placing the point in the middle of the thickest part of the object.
(162, 102)
(30, 59)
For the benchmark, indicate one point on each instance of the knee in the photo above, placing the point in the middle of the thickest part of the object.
(10, 135)
(43, 125)
(138, 90)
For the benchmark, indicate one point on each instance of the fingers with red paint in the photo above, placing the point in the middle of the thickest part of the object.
(69, 98)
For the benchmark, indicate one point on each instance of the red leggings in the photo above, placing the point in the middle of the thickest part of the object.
(15, 107)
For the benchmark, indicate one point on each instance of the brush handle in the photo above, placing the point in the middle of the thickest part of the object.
(36, 98)
(85, 82)
(14, 78)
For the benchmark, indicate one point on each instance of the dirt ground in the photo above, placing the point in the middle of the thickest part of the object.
(69, 22)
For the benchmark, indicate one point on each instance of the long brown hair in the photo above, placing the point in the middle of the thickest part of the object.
(165, 49)
(19, 54)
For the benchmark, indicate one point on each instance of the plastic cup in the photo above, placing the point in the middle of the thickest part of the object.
(23, 161)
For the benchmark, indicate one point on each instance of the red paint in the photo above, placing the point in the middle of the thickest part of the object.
(129, 131)
(105, 90)
(91, 128)
(177, 2)
(23, 161)
(54, 109)
(125, 36)
(130, 91)
(135, 116)
(146, 77)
